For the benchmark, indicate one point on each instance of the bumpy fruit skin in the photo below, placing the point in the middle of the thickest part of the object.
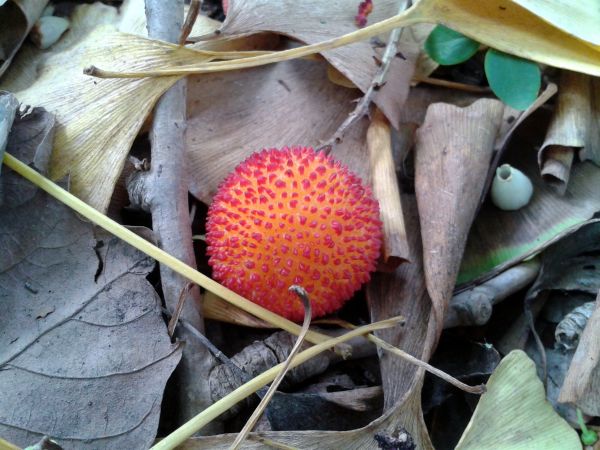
(293, 216)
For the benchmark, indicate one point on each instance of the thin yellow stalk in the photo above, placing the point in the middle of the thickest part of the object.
(159, 255)
(478, 389)
(408, 17)
(5, 445)
(216, 409)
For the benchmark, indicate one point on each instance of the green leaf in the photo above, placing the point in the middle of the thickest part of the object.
(448, 47)
(516, 81)
(514, 413)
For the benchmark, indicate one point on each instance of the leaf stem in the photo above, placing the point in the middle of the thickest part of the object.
(408, 17)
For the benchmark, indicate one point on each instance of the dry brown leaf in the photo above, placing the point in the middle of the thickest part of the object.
(453, 151)
(582, 383)
(313, 22)
(233, 114)
(84, 353)
(404, 293)
(417, 34)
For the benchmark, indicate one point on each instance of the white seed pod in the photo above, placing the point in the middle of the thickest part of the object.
(511, 189)
(569, 330)
(48, 30)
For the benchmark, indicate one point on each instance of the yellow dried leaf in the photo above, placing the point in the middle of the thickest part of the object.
(501, 24)
(97, 120)
(577, 17)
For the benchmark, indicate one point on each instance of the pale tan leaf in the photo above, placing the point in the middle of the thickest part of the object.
(313, 22)
(97, 120)
(453, 152)
(233, 114)
(28, 62)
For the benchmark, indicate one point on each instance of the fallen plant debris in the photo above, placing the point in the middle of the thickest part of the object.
(443, 233)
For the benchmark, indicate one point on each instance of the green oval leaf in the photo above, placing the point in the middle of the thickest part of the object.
(515, 81)
(448, 47)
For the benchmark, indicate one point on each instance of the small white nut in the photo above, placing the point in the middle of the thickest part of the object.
(511, 189)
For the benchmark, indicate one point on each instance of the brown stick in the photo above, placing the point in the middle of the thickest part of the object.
(166, 189)
(385, 188)
(362, 107)
(190, 20)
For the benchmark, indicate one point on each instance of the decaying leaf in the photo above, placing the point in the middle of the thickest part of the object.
(570, 265)
(453, 152)
(84, 353)
(582, 383)
(233, 114)
(313, 22)
(514, 413)
(499, 239)
(18, 17)
(573, 128)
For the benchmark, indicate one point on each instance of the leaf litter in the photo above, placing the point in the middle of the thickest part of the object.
(57, 305)
(303, 101)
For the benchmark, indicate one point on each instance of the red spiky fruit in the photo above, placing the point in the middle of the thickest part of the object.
(293, 216)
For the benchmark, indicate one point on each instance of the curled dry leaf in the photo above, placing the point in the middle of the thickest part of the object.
(582, 383)
(453, 151)
(573, 127)
(84, 351)
(386, 191)
(315, 21)
(18, 17)
(514, 413)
